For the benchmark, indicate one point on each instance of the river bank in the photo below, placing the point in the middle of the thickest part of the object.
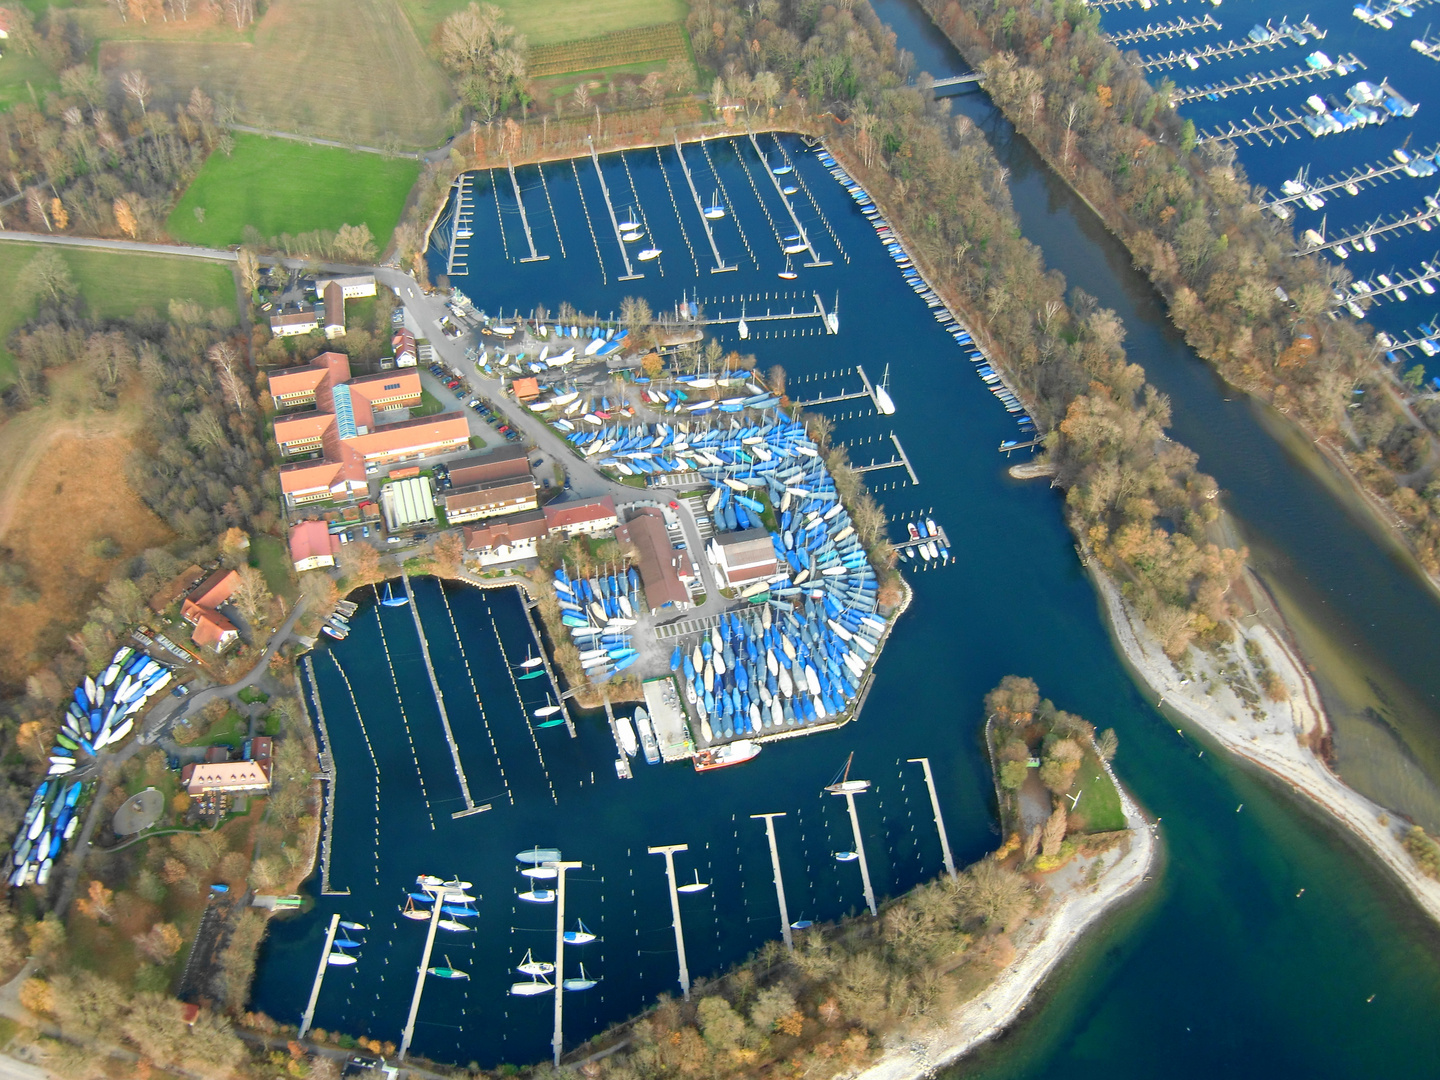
(1041, 945)
(1280, 737)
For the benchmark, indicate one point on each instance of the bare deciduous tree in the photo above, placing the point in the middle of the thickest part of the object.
(137, 87)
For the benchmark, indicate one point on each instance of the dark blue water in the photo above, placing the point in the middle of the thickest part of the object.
(1220, 941)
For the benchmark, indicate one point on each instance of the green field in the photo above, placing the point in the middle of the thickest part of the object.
(20, 75)
(1100, 802)
(546, 21)
(272, 556)
(115, 285)
(281, 186)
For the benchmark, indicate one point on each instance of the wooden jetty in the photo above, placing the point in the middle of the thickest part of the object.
(815, 259)
(470, 807)
(848, 395)
(524, 220)
(309, 1017)
(1280, 37)
(720, 266)
(622, 759)
(1258, 82)
(1268, 130)
(630, 274)
(462, 227)
(1401, 285)
(901, 459)
(1177, 28)
(1381, 172)
(529, 606)
(1422, 215)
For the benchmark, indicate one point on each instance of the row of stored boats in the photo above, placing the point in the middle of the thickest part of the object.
(599, 612)
(993, 380)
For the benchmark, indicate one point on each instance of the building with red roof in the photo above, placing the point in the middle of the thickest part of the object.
(312, 546)
(582, 516)
(341, 426)
(660, 562)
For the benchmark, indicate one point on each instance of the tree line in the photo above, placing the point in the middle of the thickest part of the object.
(1194, 223)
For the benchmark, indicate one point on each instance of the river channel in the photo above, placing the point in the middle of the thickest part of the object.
(1220, 968)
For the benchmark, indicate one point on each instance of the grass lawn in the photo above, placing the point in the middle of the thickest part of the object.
(1099, 801)
(21, 74)
(114, 284)
(429, 405)
(546, 21)
(231, 731)
(273, 558)
(281, 186)
(250, 695)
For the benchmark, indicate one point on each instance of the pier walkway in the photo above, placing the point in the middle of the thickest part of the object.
(720, 266)
(848, 395)
(815, 259)
(1280, 37)
(622, 759)
(463, 226)
(529, 607)
(630, 274)
(1268, 130)
(524, 714)
(1177, 28)
(818, 312)
(1418, 218)
(524, 220)
(480, 705)
(901, 459)
(470, 807)
(1258, 82)
(1380, 173)
(1401, 284)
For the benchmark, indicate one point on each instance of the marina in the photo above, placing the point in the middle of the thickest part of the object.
(1261, 39)
(1422, 218)
(1175, 28)
(1260, 81)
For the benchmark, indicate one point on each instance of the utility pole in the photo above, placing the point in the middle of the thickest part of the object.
(769, 820)
(668, 851)
(558, 1039)
(939, 821)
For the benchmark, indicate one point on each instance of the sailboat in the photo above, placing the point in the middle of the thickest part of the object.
(801, 924)
(584, 982)
(353, 926)
(648, 254)
(538, 896)
(846, 856)
(744, 329)
(789, 272)
(448, 971)
(883, 401)
(537, 855)
(842, 784)
(693, 886)
(410, 911)
(629, 223)
(390, 599)
(531, 665)
(631, 236)
(531, 988)
(531, 966)
(579, 936)
(340, 959)
(715, 211)
(546, 711)
(544, 873)
(455, 927)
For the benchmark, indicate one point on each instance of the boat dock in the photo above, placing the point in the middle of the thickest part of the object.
(725, 194)
(1426, 332)
(1400, 284)
(817, 312)
(1258, 82)
(524, 220)
(622, 760)
(463, 226)
(1382, 172)
(848, 395)
(900, 459)
(421, 972)
(815, 259)
(720, 266)
(1179, 27)
(629, 274)
(308, 1018)
(941, 537)
(1011, 444)
(1427, 46)
(675, 207)
(470, 807)
(1376, 229)
(327, 773)
(1367, 14)
(1268, 130)
(1280, 37)
(529, 607)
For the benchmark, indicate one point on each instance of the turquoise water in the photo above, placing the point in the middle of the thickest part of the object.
(1265, 981)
